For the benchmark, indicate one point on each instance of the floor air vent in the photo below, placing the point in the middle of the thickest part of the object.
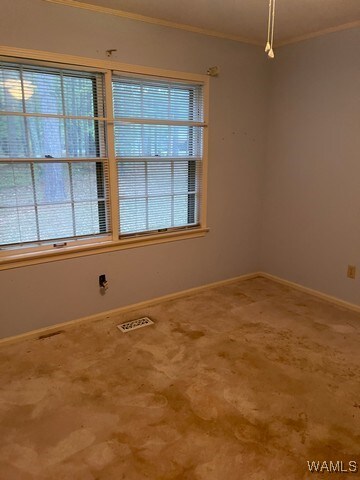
(134, 324)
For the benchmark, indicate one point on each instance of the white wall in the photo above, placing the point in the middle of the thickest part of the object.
(311, 229)
(42, 295)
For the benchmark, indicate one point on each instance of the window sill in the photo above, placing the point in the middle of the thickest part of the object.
(14, 260)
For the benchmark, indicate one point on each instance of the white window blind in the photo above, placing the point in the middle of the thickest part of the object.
(53, 156)
(158, 144)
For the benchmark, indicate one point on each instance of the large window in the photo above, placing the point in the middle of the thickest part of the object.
(78, 166)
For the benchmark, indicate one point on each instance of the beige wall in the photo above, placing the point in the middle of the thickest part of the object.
(311, 228)
(42, 295)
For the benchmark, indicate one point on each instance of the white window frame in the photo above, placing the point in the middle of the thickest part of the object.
(76, 248)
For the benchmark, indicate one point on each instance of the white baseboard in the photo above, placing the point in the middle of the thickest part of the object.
(117, 311)
(314, 293)
(172, 296)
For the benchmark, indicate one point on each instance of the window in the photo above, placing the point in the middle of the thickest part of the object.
(79, 168)
(53, 165)
(158, 144)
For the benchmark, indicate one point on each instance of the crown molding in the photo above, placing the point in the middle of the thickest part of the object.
(319, 33)
(153, 20)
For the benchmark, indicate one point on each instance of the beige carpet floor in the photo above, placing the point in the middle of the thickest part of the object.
(244, 381)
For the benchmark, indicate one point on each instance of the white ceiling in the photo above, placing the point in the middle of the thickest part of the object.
(245, 19)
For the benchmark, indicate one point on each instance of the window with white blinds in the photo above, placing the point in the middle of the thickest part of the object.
(53, 156)
(90, 157)
(158, 133)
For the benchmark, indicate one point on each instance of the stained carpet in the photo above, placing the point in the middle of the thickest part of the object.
(245, 381)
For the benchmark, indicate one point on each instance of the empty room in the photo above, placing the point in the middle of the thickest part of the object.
(179, 239)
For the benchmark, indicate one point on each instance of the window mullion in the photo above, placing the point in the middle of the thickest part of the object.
(110, 131)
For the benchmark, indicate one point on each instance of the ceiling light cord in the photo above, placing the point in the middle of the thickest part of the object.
(267, 47)
(270, 36)
(271, 52)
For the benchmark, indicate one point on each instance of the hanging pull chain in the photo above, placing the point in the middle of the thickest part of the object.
(270, 36)
(267, 47)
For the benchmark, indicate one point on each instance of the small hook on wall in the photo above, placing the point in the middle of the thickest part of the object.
(110, 51)
(213, 71)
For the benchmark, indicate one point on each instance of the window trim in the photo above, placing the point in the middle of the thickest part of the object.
(43, 254)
